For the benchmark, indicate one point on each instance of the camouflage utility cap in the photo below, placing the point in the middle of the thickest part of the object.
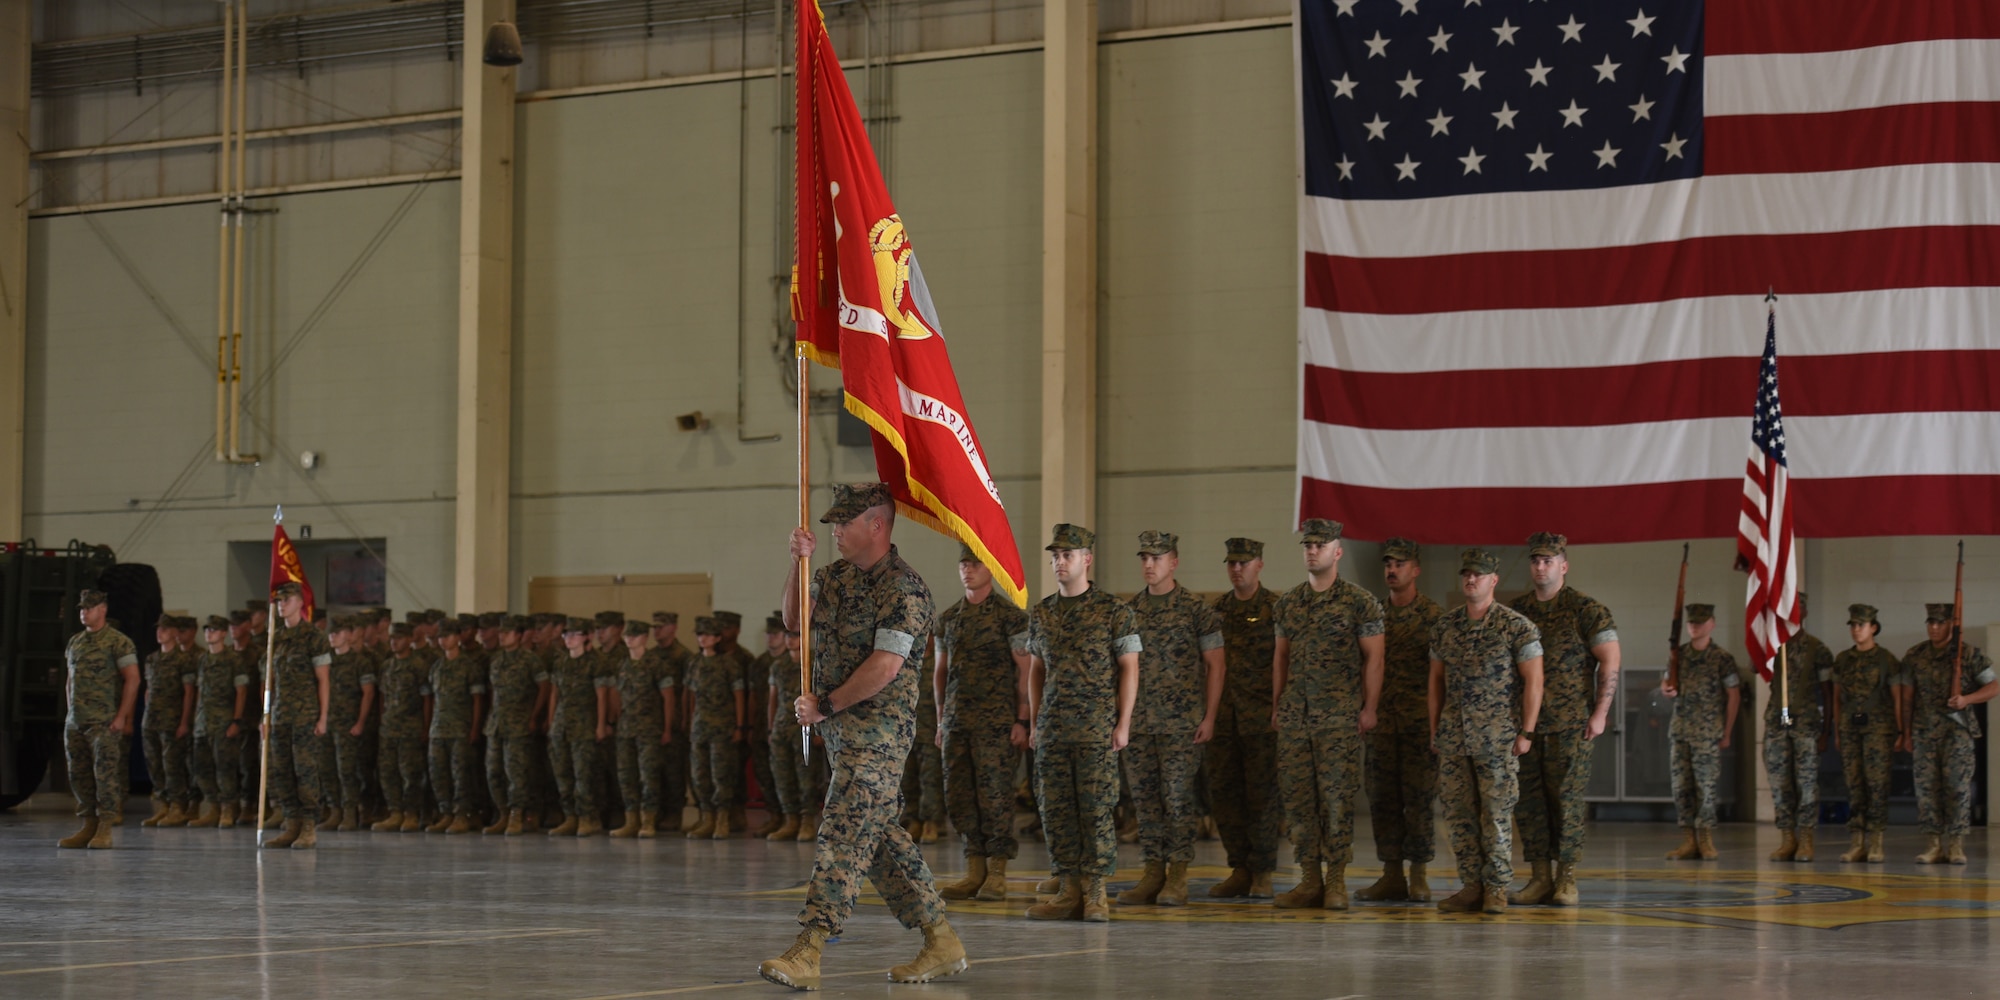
(1478, 561)
(1938, 612)
(1242, 550)
(217, 623)
(1400, 548)
(493, 619)
(965, 553)
(607, 619)
(666, 618)
(707, 625)
(1862, 614)
(256, 604)
(774, 622)
(1698, 613)
(1070, 536)
(575, 624)
(1319, 531)
(851, 500)
(517, 623)
(1548, 543)
(637, 629)
(400, 630)
(167, 621)
(239, 617)
(729, 619)
(289, 588)
(416, 618)
(449, 626)
(468, 621)
(1158, 543)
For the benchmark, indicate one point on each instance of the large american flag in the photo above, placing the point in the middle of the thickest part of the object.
(1536, 236)
(1764, 530)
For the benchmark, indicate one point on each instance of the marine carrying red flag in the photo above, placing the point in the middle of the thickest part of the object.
(286, 568)
(862, 306)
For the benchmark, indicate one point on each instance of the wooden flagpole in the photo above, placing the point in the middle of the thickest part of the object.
(270, 697)
(805, 564)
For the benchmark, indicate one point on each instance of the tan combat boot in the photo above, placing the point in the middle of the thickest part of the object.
(1857, 847)
(308, 837)
(517, 823)
(208, 816)
(1174, 892)
(1539, 886)
(499, 824)
(967, 887)
(1260, 886)
(1933, 855)
(1235, 886)
(798, 967)
(942, 955)
(459, 824)
(1788, 845)
(1309, 893)
(1689, 849)
(333, 817)
(1704, 839)
(229, 817)
(1493, 900)
(927, 833)
(703, 827)
(738, 817)
(442, 824)
(1954, 849)
(176, 815)
(1875, 852)
(1465, 900)
(588, 826)
(100, 840)
(786, 831)
(1067, 904)
(1806, 845)
(1147, 889)
(159, 811)
(671, 819)
(994, 889)
(1565, 890)
(631, 827)
(770, 826)
(350, 820)
(722, 821)
(1336, 888)
(412, 822)
(1096, 908)
(390, 823)
(1420, 883)
(1050, 886)
(287, 838)
(649, 824)
(566, 828)
(1390, 886)
(809, 826)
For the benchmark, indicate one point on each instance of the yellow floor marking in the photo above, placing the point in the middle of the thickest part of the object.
(710, 987)
(289, 951)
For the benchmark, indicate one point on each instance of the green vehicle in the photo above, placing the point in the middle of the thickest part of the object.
(38, 589)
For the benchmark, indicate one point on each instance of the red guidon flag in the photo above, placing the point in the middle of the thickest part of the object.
(862, 306)
(286, 568)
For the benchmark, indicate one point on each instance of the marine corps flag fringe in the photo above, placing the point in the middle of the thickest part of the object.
(861, 304)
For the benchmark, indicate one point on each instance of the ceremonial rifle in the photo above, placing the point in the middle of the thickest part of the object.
(1674, 636)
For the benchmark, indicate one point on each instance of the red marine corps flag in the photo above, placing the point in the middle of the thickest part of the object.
(862, 307)
(286, 568)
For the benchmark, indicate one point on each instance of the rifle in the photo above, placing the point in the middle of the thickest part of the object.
(1958, 628)
(1680, 613)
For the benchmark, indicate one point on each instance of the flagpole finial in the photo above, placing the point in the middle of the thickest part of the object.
(1772, 294)
(278, 516)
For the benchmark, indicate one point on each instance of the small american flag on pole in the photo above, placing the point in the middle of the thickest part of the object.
(1764, 531)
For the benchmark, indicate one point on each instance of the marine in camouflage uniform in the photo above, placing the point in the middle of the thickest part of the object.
(518, 680)
(1791, 753)
(1402, 772)
(755, 746)
(301, 660)
(1579, 680)
(1867, 721)
(457, 684)
(801, 780)
(1084, 683)
(1483, 705)
(1242, 764)
(103, 692)
(923, 772)
(716, 706)
(756, 689)
(350, 701)
(249, 654)
(170, 679)
(1329, 641)
(982, 646)
(675, 658)
(573, 720)
(1180, 687)
(867, 607)
(1705, 706)
(1942, 736)
(403, 681)
(646, 686)
(222, 696)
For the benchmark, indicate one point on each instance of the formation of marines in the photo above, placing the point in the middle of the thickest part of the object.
(1278, 710)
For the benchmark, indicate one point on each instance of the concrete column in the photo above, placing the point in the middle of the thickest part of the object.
(485, 318)
(15, 49)
(1069, 270)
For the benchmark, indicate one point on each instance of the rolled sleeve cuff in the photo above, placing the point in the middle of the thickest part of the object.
(128, 660)
(666, 684)
(602, 682)
(1018, 642)
(1370, 628)
(889, 640)
(367, 678)
(1126, 644)
(542, 678)
(189, 679)
(1730, 680)
(323, 660)
(1528, 652)
(242, 680)
(1608, 635)
(1984, 677)
(1213, 640)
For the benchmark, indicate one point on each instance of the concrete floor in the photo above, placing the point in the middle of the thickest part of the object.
(199, 912)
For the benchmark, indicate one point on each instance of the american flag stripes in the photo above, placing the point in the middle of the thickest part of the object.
(1764, 529)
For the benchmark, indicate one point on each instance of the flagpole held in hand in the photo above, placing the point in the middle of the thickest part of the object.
(805, 562)
(270, 696)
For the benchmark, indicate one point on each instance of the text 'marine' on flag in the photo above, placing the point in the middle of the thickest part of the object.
(286, 568)
(862, 307)
(1535, 237)
(1764, 528)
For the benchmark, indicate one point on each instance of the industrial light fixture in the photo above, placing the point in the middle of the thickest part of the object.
(692, 421)
(503, 44)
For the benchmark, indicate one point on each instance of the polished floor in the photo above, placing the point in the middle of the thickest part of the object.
(202, 913)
